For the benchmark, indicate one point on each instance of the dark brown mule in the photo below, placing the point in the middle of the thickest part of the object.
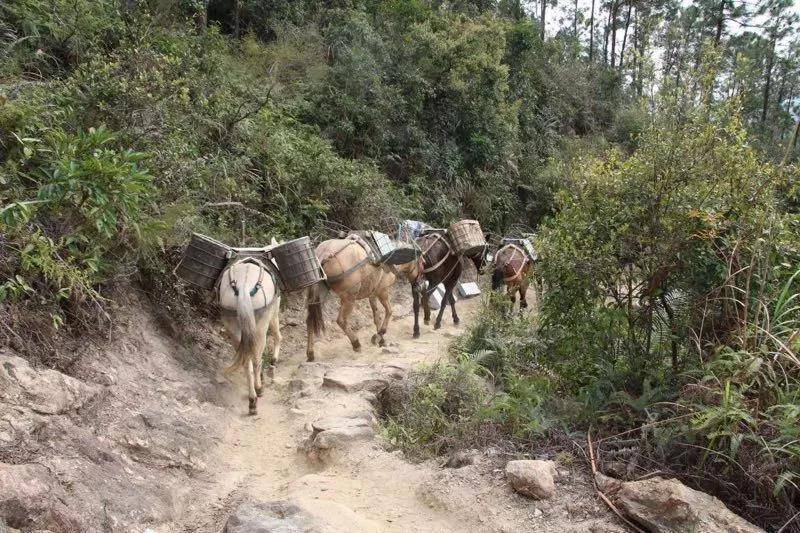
(513, 267)
(438, 263)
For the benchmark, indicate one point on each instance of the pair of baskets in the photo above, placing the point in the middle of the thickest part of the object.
(205, 259)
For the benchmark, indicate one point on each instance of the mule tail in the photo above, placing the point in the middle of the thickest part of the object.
(246, 351)
(497, 278)
(315, 296)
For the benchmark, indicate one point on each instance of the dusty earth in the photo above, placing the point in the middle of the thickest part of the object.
(147, 435)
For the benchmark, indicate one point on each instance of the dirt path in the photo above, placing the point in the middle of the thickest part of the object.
(312, 444)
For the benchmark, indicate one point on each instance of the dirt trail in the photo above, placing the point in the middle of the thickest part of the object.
(355, 484)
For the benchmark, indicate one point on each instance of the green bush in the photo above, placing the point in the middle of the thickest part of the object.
(84, 199)
(441, 412)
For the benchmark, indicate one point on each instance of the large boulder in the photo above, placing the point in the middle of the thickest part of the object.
(30, 499)
(46, 392)
(532, 478)
(668, 506)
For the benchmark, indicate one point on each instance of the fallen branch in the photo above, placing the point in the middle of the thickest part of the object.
(600, 492)
(237, 205)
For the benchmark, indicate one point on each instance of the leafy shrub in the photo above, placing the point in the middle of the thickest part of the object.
(84, 200)
(441, 410)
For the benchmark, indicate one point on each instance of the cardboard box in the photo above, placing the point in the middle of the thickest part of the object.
(436, 297)
(468, 290)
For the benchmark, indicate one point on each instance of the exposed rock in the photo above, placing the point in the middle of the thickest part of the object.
(667, 505)
(336, 437)
(354, 379)
(327, 424)
(30, 499)
(16, 423)
(533, 478)
(336, 432)
(46, 392)
(268, 517)
(395, 370)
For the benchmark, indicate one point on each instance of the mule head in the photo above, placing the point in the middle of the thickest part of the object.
(481, 260)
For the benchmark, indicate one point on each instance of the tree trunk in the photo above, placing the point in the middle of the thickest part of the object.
(575, 22)
(236, 18)
(625, 36)
(543, 18)
(606, 35)
(640, 58)
(768, 81)
(720, 22)
(614, 9)
(792, 144)
(591, 34)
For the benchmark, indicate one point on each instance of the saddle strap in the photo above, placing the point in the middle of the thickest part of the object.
(515, 249)
(438, 237)
(342, 275)
(258, 285)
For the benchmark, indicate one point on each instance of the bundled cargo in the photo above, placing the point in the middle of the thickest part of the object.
(389, 252)
(294, 263)
(468, 290)
(467, 237)
(297, 264)
(523, 243)
(203, 261)
(437, 297)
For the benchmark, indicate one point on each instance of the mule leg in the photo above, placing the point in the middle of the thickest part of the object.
(344, 313)
(275, 330)
(426, 305)
(251, 390)
(523, 289)
(415, 296)
(448, 293)
(512, 294)
(262, 326)
(383, 297)
(456, 320)
(373, 304)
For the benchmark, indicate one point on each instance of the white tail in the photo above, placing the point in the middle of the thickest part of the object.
(247, 326)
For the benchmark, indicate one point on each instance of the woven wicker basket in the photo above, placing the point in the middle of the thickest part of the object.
(467, 237)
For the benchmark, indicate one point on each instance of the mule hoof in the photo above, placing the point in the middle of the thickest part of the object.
(356, 345)
(427, 321)
(382, 342)
(260, 391)
(309, 356)
(437, 325)
(415, 335)
(375, 339)
(271, 372)
(252, 406)
(456, 321)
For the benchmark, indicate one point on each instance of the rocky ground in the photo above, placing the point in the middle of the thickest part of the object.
(146, 435)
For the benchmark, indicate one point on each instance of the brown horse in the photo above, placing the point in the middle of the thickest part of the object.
(513, 267)
(250, 303)
(437, 264)
(352, 277)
